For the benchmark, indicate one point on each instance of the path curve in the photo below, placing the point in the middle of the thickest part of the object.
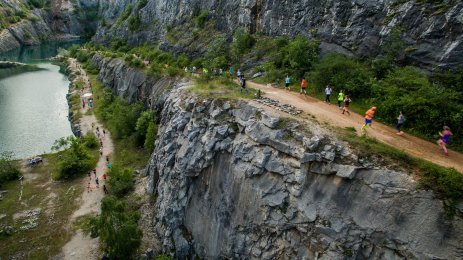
(331, 114)
(82, 246)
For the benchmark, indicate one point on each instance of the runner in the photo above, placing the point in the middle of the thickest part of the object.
(243, 84)
(340, 99)
(369, 115)
(400, 122)
(287, 82)
(328, 94)
(97, 182)
(105, 189)
(303, 86)
(347, 101)
(445, 136)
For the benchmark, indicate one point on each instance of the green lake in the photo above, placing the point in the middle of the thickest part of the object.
(33, 105)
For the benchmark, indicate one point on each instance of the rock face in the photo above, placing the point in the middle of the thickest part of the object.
(62, 20)
(235, 181)
(130, 83)
(433, 32)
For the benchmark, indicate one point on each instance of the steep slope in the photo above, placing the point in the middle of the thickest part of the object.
(432, 30)
(237, 181)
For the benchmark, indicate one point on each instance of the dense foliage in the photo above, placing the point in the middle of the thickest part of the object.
(427, 105)
(77, 159)
(120, 181)
(9, 169)
(117, 227)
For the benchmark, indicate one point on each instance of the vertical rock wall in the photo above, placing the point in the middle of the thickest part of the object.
(235, 181)
(433, 31)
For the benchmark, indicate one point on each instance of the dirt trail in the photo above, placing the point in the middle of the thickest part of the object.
(331, 114)
(82, 246)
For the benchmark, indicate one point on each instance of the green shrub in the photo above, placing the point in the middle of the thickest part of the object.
(242, 43)
(9, 169)
(76, 159)
(90, 141)
(151, 134)
(341, 72)
(134, 23)
(201, 19)
(118, 228)
(142, 126)
(125, 14)
(120, 181)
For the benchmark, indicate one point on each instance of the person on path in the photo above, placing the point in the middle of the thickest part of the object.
(101, 151)
(303, 86)
(328, 94)
(445, 136)
(94, 172)
(104, 133)
(341, 99)
(243, 84)
(221, 72)
(107, 159)
(101, 142)
(287, 82)
(105, 189)
(97, 183)
(108, 165)
(232, 71)
(89, 175)
(238, 73)
(369, 115)
(347, 101)
(400, 122)
(104, 176)
(88, 188)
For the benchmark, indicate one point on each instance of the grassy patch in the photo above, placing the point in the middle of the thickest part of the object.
(447, 183)
(221, 88)
(57, 201)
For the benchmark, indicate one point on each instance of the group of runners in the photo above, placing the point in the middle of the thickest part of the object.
(101, 135)
(344, 102)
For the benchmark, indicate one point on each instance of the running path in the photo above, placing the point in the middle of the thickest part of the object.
(82, 246)
(332, 115)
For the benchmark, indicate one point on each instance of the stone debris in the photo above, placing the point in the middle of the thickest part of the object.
(31, 219)
(292, 110)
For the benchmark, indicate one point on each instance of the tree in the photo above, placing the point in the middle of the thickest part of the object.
(120, 181)
(118, 228)
(242, 42)
(301, 54)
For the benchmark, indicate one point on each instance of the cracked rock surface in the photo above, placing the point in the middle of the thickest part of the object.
(233, 181)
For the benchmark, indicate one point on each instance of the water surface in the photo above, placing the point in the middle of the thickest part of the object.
(33, 105)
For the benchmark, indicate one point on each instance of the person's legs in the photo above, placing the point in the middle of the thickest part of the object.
(445, 149)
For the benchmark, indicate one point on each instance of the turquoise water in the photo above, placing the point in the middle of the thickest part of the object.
(33, 105)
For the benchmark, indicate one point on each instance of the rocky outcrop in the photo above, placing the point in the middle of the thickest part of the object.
(432, 31)
(62, 20)
(132, 84)
(236, 181)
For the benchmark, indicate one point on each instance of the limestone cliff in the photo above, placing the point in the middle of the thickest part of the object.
(130, 83)
(237, 181)
(433, 30)
(24, 24)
